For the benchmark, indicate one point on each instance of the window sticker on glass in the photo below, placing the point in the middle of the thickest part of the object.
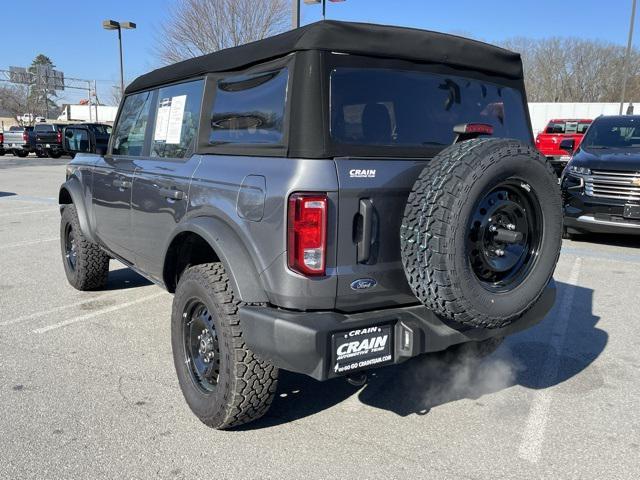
(169, 121)
(162, 122)
(176, 115)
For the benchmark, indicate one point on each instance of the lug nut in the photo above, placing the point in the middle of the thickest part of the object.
(499, 252)
(493, 228)
(511, 226)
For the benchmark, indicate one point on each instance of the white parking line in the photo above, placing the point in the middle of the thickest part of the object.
(31, 316)
(51, 210)
(24, 244)
(534, 432)
(97, 313)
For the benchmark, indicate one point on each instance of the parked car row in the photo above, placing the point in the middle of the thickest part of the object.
(55, 139)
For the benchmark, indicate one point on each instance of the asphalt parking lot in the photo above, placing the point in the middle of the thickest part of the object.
(88, 389)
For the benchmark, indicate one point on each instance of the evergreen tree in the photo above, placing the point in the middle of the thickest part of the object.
(41, 100)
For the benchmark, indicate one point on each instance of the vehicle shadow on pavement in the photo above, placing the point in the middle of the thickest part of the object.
(528, 359)
(124, 278)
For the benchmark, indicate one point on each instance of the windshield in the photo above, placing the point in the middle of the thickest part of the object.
(412, 108)
(613, 132)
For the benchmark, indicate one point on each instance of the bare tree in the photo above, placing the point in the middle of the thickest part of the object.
(198, 27)
(575, 70)
(14, 99)
(115, 95)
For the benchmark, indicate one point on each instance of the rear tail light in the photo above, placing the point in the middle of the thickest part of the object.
(59, 137)
(25, 136)
(1, 137)
(307, 233)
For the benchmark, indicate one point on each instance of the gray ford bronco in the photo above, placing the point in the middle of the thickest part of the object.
(333, 199)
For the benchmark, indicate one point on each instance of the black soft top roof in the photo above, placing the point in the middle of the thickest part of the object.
(356, 38)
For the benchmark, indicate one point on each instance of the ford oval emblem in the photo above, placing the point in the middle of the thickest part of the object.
(363, 284)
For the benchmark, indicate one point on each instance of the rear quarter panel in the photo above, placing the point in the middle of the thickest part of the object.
(214, 192)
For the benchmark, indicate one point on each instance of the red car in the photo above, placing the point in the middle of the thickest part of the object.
(548, 141)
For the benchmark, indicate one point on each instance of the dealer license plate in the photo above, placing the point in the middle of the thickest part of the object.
(632, 212)
(361, 348)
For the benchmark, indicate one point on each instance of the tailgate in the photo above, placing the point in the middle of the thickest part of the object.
(13, 137)
(549, 144)
(372, 192)
(47, 137)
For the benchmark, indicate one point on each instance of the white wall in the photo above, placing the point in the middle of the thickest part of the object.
(541, 113)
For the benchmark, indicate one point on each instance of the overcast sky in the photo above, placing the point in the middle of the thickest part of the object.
(70, 32)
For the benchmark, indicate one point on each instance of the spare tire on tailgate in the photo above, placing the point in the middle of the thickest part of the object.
(482, 231)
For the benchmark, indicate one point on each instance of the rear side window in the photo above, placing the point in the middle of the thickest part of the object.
(44, 128)
(250, 109)
(412, 109)
(567, 127)
(132, 124)
(177, 118)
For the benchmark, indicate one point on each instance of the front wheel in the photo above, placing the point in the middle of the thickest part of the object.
(85, 264)
(222, 380)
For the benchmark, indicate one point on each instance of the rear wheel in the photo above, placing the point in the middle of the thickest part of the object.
(53, 154)
(481, 233)
(21, 153)
(223, 382)
(85, 264)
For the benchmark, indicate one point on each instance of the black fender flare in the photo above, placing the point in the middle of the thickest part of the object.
(71, 192)
(231, 251)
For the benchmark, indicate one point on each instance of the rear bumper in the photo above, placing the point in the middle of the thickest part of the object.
(302, 341)
(55, 147)
(558, 162)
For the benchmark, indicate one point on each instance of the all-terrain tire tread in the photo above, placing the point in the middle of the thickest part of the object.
(92, 267)
(253, 381)
(431, 218)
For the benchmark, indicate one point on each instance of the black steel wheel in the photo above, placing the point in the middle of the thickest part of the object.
(224, 383)
(505, 233)
(70, 247)
(482, 231)
(201, 348)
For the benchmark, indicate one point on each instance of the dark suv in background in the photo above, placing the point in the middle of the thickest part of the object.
(601, 184)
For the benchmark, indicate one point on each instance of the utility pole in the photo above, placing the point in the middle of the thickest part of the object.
(625, 66)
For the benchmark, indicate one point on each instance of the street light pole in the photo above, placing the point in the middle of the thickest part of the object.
(121, 62)
(625, 66)
(295, 14)
(115, 25)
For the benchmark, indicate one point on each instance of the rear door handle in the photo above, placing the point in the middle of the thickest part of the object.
(364, 244)
(122, 184)
(172, 193)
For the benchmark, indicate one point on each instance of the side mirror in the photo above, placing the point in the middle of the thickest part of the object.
(568, 145)
(101, 151)
(68, 133)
